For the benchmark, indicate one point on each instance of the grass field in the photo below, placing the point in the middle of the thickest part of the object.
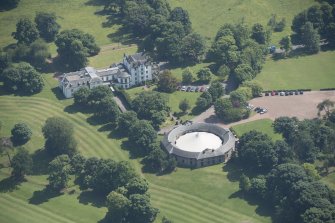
(315, 72)
(173, 99)
(80, 14)
(207, 17)
(263, 125)
(187, 197)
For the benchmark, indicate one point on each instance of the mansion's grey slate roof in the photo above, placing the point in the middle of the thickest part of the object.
(137, 58)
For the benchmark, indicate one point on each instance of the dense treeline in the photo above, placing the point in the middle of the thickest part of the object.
(293, 190)
(239, 50)
(314, 24)
(167, 32)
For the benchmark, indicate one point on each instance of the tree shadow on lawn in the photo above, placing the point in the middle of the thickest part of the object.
(73, 109)
(234, 172)
(44, 195)
(263, 207)
(9, 184)
(58, 93)
(134, 151)
(92, 198)
(41, 160)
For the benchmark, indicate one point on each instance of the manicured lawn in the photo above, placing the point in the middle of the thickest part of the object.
(79, 14)
(108, 56)
(206, 195)
(184, 196)
(208, 16)
(315, 72)
(28, 203)
(263, 125)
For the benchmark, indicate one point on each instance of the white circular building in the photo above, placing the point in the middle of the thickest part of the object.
(199, 144)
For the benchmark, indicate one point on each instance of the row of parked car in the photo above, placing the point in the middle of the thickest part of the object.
(192, 88)
(284, 93)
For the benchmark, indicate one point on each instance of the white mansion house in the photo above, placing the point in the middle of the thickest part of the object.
(133, 70)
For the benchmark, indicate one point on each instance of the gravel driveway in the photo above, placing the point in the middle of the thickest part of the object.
(300, 106)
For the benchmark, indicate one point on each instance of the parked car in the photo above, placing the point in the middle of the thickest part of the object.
(202, 89)
(287, 93)
(291, 92)
(301, 92)
(193, 89)
(273, 93)
(296, 92)
(197, 89)
(188, 89)
(258, 109)
(276, 93)
(183, 88)
(178, 88)
(267, 94)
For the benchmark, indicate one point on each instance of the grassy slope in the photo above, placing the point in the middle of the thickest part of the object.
(71, 14)
(173, 99)
(263, 125)
(207, 17)
(313, 72)
(188, 197)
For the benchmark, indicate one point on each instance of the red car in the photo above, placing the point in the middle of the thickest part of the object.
(202, 89)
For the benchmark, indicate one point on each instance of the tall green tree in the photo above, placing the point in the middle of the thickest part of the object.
(118, 206)
(167, 82)
(147, 103)
(325, 106)
(259, 34)
(143, 135)
(126, 120)
(216, 90)
(21, 163)
(26, 31)
(205, 74)
(74, 46)
(310, 38)
(47, 25)
(22, 78)
(184, 105)
(179, 14)
(140, 210)
(193, 48)
(187, 76)
(58, 133)
(21, 133)
(60, 169)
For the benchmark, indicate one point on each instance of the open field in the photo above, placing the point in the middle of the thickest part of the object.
(207, 17)
(80, 14)
(111, 54)
(186, 198)
(262, 125)
(315, 72)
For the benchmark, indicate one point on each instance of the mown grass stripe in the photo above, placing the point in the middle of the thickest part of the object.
(105, 151)
(32, 209)
(164, 190)
(197, 212)
(171, 201)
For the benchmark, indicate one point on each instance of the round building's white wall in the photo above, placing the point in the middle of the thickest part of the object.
(198, 141)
